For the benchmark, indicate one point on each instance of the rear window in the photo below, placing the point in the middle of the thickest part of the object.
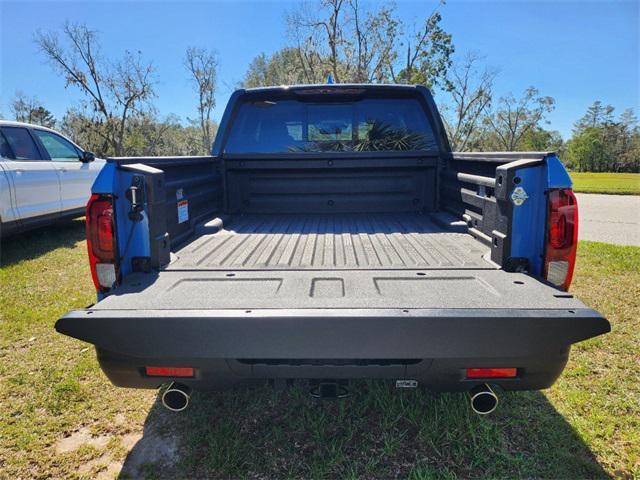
(21, 143)
(366, 125)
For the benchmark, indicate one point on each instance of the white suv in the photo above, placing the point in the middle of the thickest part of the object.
(44, 177)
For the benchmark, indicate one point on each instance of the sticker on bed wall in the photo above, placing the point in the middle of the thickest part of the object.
(519, 196)
(183, 211)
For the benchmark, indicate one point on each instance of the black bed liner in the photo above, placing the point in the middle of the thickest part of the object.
(338, 241)
(335, 289)
(340, 261)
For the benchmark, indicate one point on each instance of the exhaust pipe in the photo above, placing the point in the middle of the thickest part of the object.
(176, 397)
(483, 399)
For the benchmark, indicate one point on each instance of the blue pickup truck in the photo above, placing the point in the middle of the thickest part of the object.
(333, 235)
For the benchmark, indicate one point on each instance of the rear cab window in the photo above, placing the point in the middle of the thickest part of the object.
(333, 125)
(22, 145)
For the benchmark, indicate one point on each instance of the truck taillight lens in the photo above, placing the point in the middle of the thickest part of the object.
(101, 242)
(562, 237)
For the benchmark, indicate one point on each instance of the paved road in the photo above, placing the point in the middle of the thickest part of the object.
(609, 218)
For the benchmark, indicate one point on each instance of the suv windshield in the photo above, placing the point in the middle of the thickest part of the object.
(368, 125)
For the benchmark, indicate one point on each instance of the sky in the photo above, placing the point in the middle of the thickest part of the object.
(574, 51)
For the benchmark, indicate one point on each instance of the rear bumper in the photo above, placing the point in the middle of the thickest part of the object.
(534, 373)
(433, 346)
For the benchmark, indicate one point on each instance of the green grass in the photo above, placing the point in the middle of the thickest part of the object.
(586, 425)
(618, 183)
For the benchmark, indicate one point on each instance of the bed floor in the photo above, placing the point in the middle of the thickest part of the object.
(331, 242)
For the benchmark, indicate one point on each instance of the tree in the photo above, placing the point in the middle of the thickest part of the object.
(83, 128)
(317, 30)
(597, 115)
(202, 65)
(150, 136)
(602, 143)
(354, 42)
(360, 43)
(281, 68)
(30, 110)
(114, 90)
(427, 61)
(514, 118)
(629, 142)
(538, 139)
(470, 91)
(587, 150)
(370, 40)
(257, 72)
(146, 134)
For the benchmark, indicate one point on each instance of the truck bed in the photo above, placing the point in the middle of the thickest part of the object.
(329, 242)
(401, 260)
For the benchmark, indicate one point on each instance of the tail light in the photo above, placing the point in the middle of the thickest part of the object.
(101, 242)
(562, 237)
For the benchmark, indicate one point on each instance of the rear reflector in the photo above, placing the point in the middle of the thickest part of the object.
(169, 371)
(106, 273)
(491, 372)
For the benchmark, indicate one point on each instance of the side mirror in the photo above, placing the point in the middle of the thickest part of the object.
(87, 157)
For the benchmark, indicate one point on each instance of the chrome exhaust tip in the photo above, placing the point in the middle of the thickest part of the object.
(483, 399)
(176, 397)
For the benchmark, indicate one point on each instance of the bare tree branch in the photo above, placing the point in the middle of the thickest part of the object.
(114, 90)
(471, 93)
(514, 118)
(202, 65)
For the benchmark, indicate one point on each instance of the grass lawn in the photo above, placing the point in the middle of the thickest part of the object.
(61, 418)
(618, 183)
